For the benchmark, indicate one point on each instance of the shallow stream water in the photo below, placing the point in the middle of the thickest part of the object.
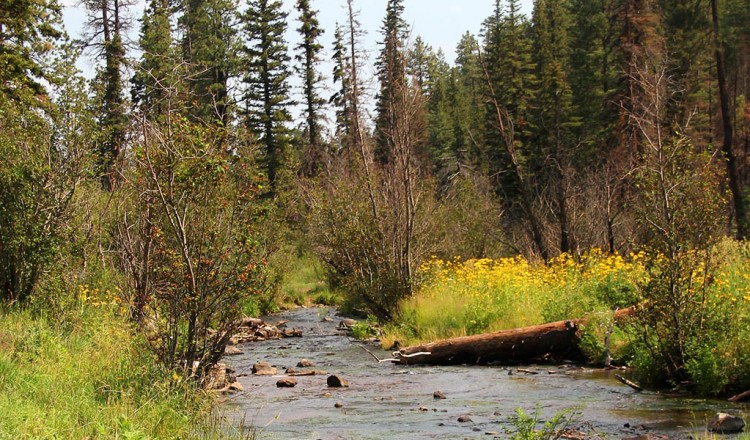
(386, 401)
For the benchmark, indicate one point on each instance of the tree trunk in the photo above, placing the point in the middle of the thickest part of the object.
(740, 210)
(555, 340)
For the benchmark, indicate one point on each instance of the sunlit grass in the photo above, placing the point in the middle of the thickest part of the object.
(466, 297)
(305, 281)
(87, 375)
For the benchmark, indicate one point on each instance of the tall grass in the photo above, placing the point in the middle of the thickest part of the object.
(458, 297)
(87, 375)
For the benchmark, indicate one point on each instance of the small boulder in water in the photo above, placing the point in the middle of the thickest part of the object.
(264, 369)
(286, 382)
(724, 423)
(304, 363)
(335, 381)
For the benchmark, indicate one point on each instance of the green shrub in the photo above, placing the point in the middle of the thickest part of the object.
(530, 426)
(363, 330)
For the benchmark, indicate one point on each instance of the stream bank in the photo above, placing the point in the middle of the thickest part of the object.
(397, 402)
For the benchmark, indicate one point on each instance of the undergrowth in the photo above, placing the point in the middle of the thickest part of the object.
(86, 374)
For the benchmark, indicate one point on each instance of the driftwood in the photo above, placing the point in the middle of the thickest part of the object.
(631, 384)
(555, 340)
(741, 397)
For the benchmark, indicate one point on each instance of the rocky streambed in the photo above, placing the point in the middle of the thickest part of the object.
(386, 401)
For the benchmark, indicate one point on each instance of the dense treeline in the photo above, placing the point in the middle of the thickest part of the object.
(612, 124)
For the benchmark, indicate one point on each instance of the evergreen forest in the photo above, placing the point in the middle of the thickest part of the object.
(591, 156)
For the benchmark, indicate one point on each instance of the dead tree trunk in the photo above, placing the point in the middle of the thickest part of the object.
(552, 341)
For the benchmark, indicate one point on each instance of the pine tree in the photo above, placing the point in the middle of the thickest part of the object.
(738, 195)
(421, 56)
(468, 95)
(636, 25)
(443, 115)
(552, 113)
(266, 81)
(341, 99)
(29, 31)
(210, 46)
(107, 24)
(151, 81)
(592, 77)
(308, 58)
(508, 49)
(391, 73)
(687, 28)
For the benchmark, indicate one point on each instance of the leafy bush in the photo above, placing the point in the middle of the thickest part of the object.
(43, 158)
(197, 210)
(531, 427)
(363, 330)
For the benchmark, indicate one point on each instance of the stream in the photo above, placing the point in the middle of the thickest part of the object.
(387, 401)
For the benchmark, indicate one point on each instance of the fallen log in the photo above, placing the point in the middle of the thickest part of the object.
(629, 383)
(554, 340)
(741, 397)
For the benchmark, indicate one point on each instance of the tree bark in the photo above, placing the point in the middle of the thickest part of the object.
(740, 208)
(555, 340)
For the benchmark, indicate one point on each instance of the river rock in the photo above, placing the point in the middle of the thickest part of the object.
(724, 423)
(438, 395)
(338, 405)
(216, 378)
(286, 382)
(346, 324)
(335, 381)
(304, 363)
(236, 386)
(230, 350)
(264, 369)
(464, 419)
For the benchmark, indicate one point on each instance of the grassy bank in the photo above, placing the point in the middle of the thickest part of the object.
(87, 375)
(460, 297)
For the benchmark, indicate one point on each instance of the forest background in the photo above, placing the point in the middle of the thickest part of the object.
(595, 150)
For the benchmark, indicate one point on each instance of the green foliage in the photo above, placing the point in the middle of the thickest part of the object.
(30, 32)
(44, 155)
(531, 427)
(202, 210)
(266, 76)
(363, 330)
(93, 379)
(682, 213)
(210, 46)
(309, 57)
(152, 77)
(391, 74)
(303, 277)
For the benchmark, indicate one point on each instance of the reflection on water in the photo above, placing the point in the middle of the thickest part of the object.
(396, 402)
